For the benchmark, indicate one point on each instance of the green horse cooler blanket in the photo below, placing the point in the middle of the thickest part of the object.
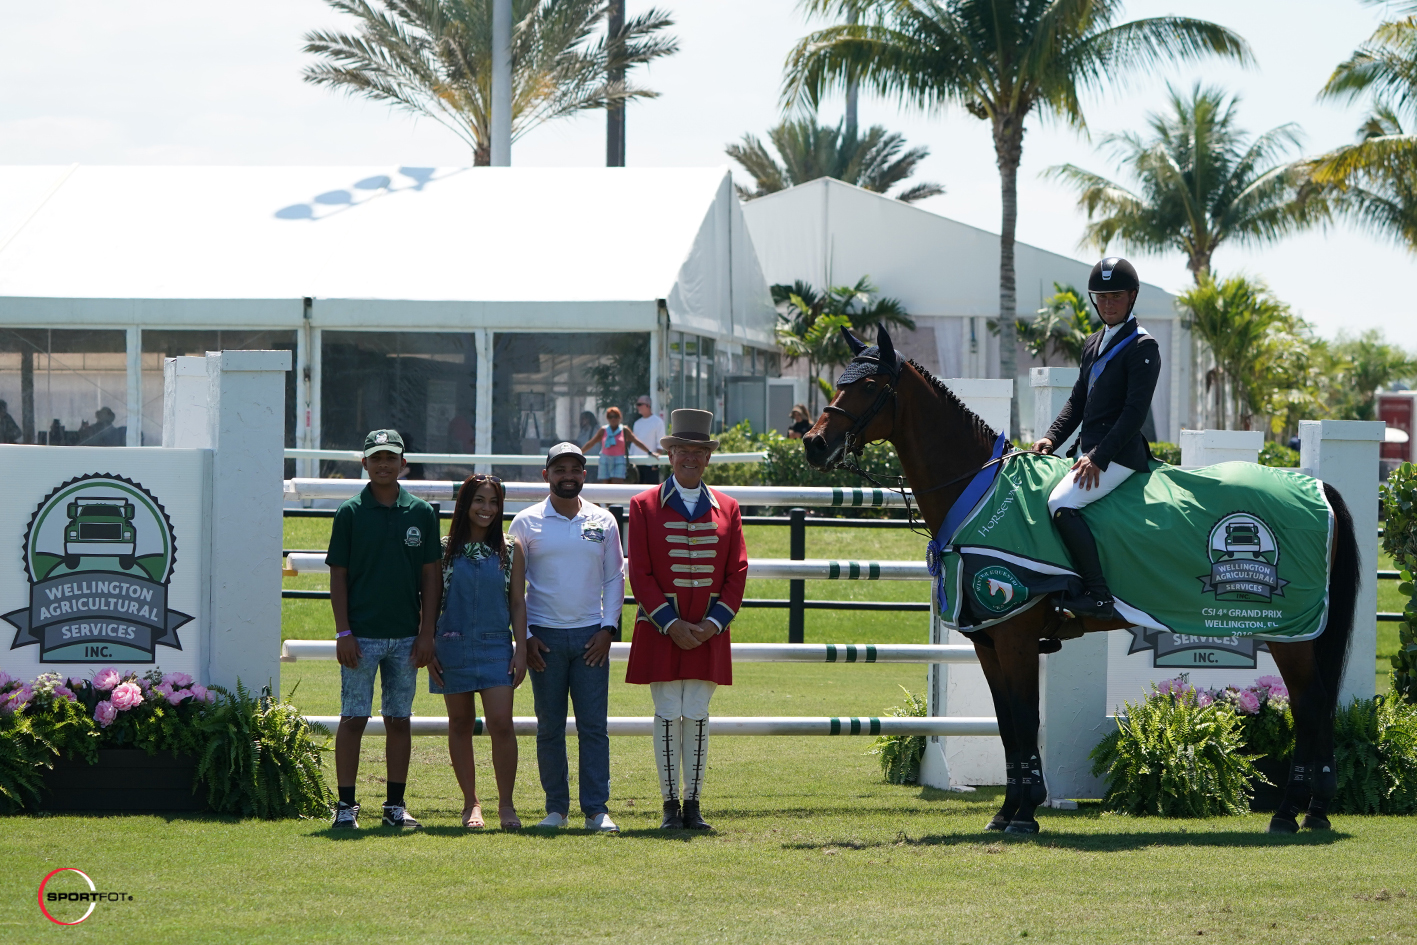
(1233, 550)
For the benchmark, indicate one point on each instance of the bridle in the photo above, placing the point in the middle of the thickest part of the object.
(852, 446)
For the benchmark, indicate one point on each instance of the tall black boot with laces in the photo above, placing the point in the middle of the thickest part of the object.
(1096, 598)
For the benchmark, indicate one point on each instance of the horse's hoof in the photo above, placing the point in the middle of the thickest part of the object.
(1281, 824)
(1316, 822)
(1022, 827)
(1000, 822)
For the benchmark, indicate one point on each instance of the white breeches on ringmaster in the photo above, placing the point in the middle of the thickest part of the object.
(1069, 494)
(681, 734)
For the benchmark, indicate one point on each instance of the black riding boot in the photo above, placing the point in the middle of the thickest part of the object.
(1096, 599)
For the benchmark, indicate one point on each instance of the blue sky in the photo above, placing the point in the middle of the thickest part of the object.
(177, 82)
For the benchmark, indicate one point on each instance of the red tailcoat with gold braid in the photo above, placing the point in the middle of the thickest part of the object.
(681, 567)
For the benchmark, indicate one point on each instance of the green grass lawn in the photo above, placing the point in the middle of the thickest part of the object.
(811, 845)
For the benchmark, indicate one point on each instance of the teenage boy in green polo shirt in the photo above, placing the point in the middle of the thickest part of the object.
(385, 585)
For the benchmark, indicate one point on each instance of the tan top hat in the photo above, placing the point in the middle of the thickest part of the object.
(691, 428)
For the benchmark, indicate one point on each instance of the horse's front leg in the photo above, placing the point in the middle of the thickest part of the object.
(998, 691)
(1016, 650)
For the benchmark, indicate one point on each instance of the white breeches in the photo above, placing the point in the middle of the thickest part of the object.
(681, 735)
(686, 698)
(1070, 494)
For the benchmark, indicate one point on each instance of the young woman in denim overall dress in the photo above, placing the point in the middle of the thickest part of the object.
(476, 652)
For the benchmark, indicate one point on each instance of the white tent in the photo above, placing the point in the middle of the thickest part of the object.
(303, 254)
(946, 274)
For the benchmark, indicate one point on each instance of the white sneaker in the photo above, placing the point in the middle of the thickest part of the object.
(553, 820)
(601, 823)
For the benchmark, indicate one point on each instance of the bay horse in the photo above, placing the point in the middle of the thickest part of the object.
(941, 444)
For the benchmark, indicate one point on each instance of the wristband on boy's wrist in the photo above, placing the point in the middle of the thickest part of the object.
(343, 633)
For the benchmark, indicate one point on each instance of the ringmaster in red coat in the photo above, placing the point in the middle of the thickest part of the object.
(688, 567)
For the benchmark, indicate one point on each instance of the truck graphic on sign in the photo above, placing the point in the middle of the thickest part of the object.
(99, 526)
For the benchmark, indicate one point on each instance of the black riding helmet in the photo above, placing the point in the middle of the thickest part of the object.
(1113, 274)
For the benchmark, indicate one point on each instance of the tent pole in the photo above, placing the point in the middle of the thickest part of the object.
(501, 83)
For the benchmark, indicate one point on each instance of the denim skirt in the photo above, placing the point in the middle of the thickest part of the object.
(474, 638)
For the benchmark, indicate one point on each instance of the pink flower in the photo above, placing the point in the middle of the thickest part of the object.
(5, 679)
(1269, 682)
(15, 699)
(143, 683)
(202, 693)
(177, 696)
(73, 682)
(64, 692)
(106, 678)
(125, 696)
(1247, 702)
(104, 713)
(179, 680)
(163, 687)
(1204, 698)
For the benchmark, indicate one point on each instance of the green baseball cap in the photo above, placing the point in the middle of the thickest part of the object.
(379, 440)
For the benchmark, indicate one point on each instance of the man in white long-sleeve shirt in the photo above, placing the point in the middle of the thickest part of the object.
(575, 578)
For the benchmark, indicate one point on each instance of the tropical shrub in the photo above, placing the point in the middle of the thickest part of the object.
(1168, 453)
(1399, 505)
(1171, 756)
(901, 755)
(1277, 454)
(1375, 747)
(257, 757)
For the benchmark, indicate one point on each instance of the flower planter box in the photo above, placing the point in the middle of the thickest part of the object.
(125, 780)
(1269, 798)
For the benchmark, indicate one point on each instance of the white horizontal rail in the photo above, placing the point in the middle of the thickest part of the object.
(812, 569)
(725, 725)
(507, 459)
(293, 650)
(433, 490)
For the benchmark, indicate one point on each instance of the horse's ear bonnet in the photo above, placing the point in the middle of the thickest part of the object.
(880, 358)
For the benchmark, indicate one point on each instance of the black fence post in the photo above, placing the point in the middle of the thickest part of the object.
(619, 512)
(797, 589)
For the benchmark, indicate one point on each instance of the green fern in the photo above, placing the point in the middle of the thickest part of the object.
(1171, 757)
(901, 754)
(1375, 748)
(24, 756)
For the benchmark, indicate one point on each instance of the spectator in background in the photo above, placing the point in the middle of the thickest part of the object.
(569, 558)
(586, 430)
(801, 422)
(9, 429)
(650, 429)
(613, 438)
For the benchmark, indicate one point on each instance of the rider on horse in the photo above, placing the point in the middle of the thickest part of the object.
(1117, 376)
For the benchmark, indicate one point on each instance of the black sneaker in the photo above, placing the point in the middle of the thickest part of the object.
(396, 815)
(346, 817)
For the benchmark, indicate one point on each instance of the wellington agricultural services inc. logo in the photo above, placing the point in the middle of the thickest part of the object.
(99, 554)
(67, 896)
(998, 589)
(1244, 560)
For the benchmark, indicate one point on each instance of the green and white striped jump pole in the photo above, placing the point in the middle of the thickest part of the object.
(293, 650)
(722, 725)
(812, 569)
(608, 494)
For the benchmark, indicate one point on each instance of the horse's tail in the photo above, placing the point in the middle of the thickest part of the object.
(1331, 647)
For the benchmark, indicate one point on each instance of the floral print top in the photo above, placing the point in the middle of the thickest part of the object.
(478, 551)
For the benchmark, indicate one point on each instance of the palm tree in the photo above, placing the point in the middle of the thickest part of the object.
(1202, 182)
(1235, 318)
(808, 323)
(876, 161)
(1001, 60)
(618, 34)
(434, 58)
(1374, 182)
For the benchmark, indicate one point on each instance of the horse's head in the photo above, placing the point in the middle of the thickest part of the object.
(863, 409)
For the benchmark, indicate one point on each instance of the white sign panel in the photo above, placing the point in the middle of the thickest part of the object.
(1138, 658)
(102, 557)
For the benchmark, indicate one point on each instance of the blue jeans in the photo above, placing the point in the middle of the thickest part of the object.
(392, 659)
(566, 674)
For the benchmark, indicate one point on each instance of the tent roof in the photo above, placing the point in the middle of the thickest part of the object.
(826, 229)
(580, 235)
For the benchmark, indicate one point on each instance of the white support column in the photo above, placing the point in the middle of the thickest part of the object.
(1051, 387)
(1072, 702)
(186, 401)
(247, 411)
(482, 421)
(990, 398)
(134, 436)
(934, 768)
(1208, 447)
(1344, 454)
(306, 467)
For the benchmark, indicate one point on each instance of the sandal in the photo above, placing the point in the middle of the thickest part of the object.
(472, 817)
(510, 821)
